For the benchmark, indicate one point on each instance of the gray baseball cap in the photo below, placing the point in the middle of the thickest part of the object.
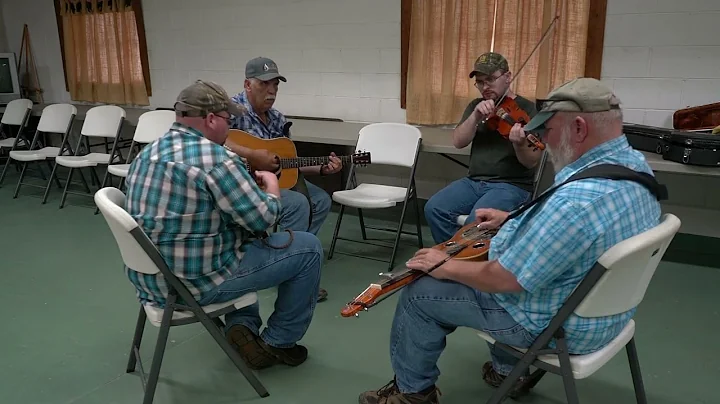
(204, 97)
(584, 94)
(262, 68)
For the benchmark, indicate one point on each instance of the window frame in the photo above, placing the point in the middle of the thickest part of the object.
(593, 51)
(142, 40)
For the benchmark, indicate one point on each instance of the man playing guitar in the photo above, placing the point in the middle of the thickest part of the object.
(306, 206)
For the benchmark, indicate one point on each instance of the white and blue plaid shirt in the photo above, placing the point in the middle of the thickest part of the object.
(252, 123)
(551, 247)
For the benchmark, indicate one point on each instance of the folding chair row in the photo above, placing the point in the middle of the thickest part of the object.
(104, 122)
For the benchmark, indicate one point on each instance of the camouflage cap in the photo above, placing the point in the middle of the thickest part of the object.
(204, 97)
(584, 94)
(262, 68)
(488, 63)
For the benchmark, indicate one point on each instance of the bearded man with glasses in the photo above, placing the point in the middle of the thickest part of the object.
(501, 169)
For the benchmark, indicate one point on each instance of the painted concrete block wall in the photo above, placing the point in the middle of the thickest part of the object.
(342, 57)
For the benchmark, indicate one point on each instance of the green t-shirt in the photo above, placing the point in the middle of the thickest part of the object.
(492, 156)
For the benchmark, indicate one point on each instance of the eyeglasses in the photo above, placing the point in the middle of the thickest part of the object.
(481, 83)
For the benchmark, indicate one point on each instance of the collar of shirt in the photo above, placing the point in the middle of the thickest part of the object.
(274, 116)
(591, 156)
(178, 127)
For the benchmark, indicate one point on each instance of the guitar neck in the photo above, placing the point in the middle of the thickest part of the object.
(298, 162)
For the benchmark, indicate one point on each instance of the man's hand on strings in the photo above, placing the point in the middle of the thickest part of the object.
(427, 258)
(490, 218)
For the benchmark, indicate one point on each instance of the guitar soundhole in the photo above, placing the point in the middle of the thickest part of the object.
(479, 245)
(450, 243)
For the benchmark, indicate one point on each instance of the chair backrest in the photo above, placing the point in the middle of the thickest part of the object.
(16, 111)
(390, 143)
(630, 266)
(111, 202)
(153, 124)
(56, 118)
(103, 121)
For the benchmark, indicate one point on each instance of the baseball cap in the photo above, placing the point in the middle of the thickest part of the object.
(584, 94)
(263, 69)
(488, 63)
(204, 97)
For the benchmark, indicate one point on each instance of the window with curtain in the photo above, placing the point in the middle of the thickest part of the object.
(444, 37)
(104, 51)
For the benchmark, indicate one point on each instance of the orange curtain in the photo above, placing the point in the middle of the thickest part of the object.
(102, 52)
(446, 36)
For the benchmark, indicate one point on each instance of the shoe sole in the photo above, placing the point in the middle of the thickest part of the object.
(250, 350)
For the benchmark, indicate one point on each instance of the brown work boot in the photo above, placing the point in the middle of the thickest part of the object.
(322, 295)
(389, 394)
(248, 345)
(493, 378)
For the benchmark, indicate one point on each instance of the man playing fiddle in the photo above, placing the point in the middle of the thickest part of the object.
(301, 211)
(536, 259)
(501, 168)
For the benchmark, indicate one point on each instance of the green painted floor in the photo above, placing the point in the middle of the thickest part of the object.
(69, 314)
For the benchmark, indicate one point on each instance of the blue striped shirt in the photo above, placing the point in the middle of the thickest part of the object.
(252, 123)
(551, 247)
(199, 205)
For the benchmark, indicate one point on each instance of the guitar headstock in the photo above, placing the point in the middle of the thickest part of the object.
(361, 158)
(360, 303)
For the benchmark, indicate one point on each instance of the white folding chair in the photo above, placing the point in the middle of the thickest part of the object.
(393, 144)
(17, 113)
(151, 125)
(617, 283)
(140, 254)
(103, 121)
(55, 119)
(544, 176)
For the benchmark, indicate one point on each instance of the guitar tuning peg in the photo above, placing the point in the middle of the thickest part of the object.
(357, 314)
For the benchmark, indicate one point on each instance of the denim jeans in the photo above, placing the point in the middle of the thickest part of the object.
(296, 210)
(295, 271)
(463, 197)
(430, 309)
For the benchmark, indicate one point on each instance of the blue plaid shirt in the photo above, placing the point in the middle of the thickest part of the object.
(252, 123)
(551, 247)
(198, 204)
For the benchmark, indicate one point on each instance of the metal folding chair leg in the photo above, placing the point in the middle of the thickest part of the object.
(137, 339)
(635, 370)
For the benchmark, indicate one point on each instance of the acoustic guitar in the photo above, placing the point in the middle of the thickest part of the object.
(290, 163)
(469, 243)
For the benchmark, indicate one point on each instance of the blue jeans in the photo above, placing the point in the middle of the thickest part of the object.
(430, 309)
(463, 197)
(295, 213)
(295, 271)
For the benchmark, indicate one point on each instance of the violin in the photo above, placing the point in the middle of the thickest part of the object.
(471, 242)
(507, 114)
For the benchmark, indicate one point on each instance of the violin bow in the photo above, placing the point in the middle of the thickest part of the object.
(542, 39)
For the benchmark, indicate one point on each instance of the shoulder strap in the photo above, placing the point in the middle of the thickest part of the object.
(609, 171)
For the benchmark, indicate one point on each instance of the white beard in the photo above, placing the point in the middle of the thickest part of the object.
(564, 153)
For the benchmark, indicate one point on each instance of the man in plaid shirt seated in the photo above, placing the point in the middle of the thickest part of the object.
(536, 259)
(198, 203)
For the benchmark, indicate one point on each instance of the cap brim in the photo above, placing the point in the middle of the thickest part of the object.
(271, 76)
(481, 71)
(236, 109)
(537, 123)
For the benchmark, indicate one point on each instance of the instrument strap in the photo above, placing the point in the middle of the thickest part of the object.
(609, 171)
